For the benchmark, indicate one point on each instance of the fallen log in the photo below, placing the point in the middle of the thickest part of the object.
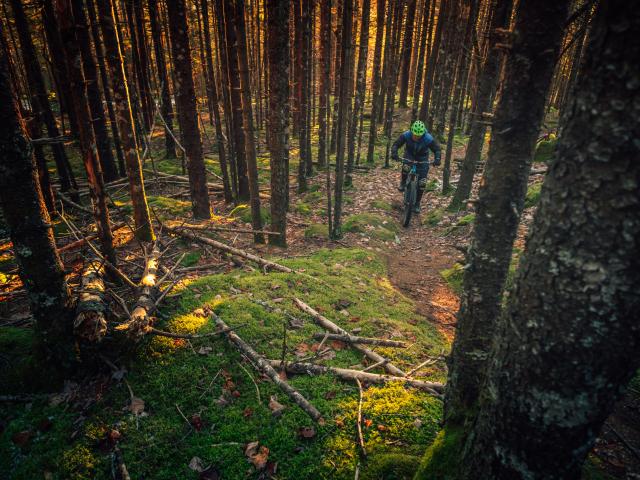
(83, 241)
(381, 342)
(225, 229)
(229, 249)
(332, 327)
(434, 388)
(139, 321)
(213, 186)
(264, 366)
(67, 201)
(90, 322)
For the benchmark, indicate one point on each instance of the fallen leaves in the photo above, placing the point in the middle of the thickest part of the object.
(21, 438)
(257, 454)
(307, 432)
(136, 406)
(275, 406)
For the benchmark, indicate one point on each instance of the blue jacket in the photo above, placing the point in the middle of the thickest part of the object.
(417, 150)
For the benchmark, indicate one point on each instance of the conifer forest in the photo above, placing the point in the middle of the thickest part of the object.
(320, 239)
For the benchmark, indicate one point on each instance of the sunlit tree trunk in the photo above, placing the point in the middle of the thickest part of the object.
(407, 48)
(376, 78)
(324, 81)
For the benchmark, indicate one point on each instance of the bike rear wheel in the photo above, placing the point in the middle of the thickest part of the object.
(409, 201)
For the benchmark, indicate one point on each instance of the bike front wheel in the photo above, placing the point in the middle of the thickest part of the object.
(409, 202)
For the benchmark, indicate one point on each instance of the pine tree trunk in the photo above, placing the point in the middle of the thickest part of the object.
(343, 106)
(39, 93)
(94, 98)
(361, 84)
(140, 59)
(434, 55)
(487, 83)
(106, 83)
(124, 116)
(407, 48)
(187, 110)
(166, 108)
(376, 79)
(428, 9)
(301, 94)
(518, 116)
(236, 101)
(88, 149)
(41, 270)
(324, 80)
(307, 94)
(336, 69)
(569, 342)
(278, 58)
(247, 121)
(212, 93)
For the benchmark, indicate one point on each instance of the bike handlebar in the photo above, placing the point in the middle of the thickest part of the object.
(408, 160)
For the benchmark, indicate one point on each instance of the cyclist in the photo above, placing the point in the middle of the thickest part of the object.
(417, 143)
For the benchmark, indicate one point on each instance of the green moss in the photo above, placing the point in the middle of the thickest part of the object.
(166, 372)
(462, 222)
(453, 276)
(434, 217)
(316, 230)
(381, 204)
(533, 195)
(432, 185)
(302, 208)
(545, 150)
(390, 466)
(191, 259)
(314, 196)
(363, 222)
(441, 460)
(168, 205)
(243, 212)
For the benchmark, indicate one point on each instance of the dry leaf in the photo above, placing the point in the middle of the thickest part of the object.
(196, 421)
(137, 405)
(196, 464)
(275, 406)
(260, 459)
(251, 449)
(367, 423)
(205, 350)
(337, 344)
(21, 438)
(330, 395)
(247, 412)
(307, 432)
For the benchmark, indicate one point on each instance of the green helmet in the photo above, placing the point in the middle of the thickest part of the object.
(418, 128)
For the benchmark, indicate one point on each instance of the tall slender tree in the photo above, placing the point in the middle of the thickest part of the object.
(519, 113)
(376, 78)
(278, 59)
(124, 116)
(324, 81)
(40, 268)
(407, 48)
(187, 108)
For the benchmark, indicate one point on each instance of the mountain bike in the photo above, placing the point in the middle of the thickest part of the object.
(410, 189)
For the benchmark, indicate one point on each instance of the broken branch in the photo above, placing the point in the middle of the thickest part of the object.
(381, 342)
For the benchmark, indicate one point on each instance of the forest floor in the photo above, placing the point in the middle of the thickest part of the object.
(197, 409)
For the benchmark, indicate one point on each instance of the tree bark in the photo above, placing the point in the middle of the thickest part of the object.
(187, 109)
(166, 108)
(407, 48)
(324, 81)
(278, 58)
(39, 92)
(422, 53)
(66, 22)
(94, 98)
(568, 344)
(212, 93)
(519, 113)
(376, 78)
(434, 54)
(343, 106)
(41, 270)
(487, 83)
(124, 116)
(247, 121)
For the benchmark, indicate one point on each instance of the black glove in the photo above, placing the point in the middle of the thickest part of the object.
(436, 163)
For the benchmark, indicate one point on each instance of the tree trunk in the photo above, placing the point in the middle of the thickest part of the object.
(324, 81)
(166, 108)
(569, 341)
(343, 106)
(94, 98)
(231, 51)
(376, 79)
(66, 22)
(41, 106)
(104, 77)
(434, 54)
(361, 84)
(278, 58)
(247, 121)
(187, 110)
(212, 93)
(519, 113)
(407, 48)
(422, 53)
(139, 59)
(124, 116)
(301, 98)
(487, 83)
(41, 270)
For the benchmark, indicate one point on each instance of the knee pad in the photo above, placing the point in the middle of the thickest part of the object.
(422, 184)
(406, 168)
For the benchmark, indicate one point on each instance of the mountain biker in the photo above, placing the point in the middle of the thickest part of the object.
(417, 142)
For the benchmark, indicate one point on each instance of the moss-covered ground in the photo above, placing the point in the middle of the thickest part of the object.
(215, 386)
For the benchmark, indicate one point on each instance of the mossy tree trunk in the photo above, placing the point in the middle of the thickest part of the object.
(278, 111)
(569, 340)
(31, 234)
(187, 108)
(124, 116)
(529, 68)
